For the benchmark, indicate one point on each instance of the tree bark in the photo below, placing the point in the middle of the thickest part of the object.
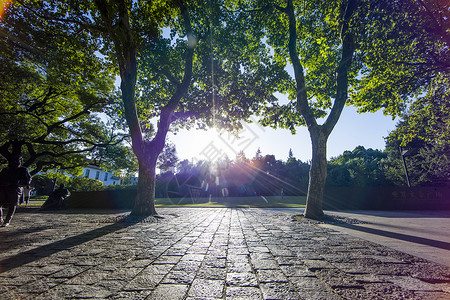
(317, 175)
(319, 133)
(145, 199)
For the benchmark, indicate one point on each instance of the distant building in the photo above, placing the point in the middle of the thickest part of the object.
(108, 178)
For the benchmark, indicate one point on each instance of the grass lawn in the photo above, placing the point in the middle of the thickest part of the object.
(259, 201)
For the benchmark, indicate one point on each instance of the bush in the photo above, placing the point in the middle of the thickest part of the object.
(43, 183)
(79, 184)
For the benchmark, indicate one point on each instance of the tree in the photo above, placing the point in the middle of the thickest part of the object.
(360, 167)
(207, 43)
(168, 158)
(406, 74)
(405, 54)
(423, 133)
(53, 84)
(319, 40)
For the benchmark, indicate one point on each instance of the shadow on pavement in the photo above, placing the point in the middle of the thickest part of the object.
(40, 252)
(399, 236)
(400, 214)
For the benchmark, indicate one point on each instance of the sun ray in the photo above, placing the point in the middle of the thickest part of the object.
(4, 4)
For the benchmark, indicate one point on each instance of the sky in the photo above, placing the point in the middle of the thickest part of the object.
(352, 130)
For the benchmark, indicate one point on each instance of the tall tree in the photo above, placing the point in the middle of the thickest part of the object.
(206, 46)
(407, 73)
(318, 38)
(52, 85)
(405, 54)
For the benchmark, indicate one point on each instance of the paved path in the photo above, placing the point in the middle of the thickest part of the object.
(420, 233)
(203, 253)
(423, 234)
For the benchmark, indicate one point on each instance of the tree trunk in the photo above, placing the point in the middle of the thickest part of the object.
(317, 175)
(145, 199)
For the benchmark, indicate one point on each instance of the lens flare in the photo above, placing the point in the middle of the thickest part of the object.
(4, 4)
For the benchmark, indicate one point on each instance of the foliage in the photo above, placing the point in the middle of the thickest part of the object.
(360, 167)
(424, 133)
(319, 40)
(262, 175)
(405, 53)
(168, 158)
(81, 184)
(43, 183)
(53, 86)
(117, 158)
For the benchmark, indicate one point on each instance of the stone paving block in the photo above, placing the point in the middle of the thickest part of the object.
(319, 295)
(20, 280)
(266, 276)
(135, 295)
(212, 273)
(139, 263)
(296, 270)
(124, 273)
(243, 293)
(62, 291)
(317, 264)
(376, 291)
(157, 269)
(352, 268)
(412, 284)
(167, 260)
(89, 277)
(179, 277)
(203, 254)
(93, 292)
(215, 262)
(432, 295)
(265, 264)
(193, 257)
(241, 279)
(38, 286)
(277, 290)
(204, 288)
(308, 283)
(7, 293)
(261, 255)
(337, 279)
(286, 261)
(169, 292)
(69, 272)
(111, 285)
(188, 266)
(46, 270)
(143, 282)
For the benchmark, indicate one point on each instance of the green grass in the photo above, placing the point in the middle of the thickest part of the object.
(272, 202)
(36, 201)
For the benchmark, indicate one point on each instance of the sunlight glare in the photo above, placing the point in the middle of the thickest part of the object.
(4, 4)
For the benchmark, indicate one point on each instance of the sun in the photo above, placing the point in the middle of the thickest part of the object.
(3, 7)
(211, 145)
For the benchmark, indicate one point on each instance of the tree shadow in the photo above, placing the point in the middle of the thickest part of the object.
(398, 236)
(40, 252)
(399, 214)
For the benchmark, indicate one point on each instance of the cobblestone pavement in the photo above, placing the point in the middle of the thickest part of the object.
(202, 253)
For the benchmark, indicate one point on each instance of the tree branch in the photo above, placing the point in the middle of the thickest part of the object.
(302, 98)
(168, 110)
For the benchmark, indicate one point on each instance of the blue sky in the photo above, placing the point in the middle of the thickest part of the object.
(352, 130)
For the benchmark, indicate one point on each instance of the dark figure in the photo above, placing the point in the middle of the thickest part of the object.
(57, 199)
(26, 195)
(12, 179)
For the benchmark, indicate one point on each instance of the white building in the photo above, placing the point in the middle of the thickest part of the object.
(106, 177)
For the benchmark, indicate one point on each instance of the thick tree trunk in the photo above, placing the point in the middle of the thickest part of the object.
(145, 199)
(317, 175)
